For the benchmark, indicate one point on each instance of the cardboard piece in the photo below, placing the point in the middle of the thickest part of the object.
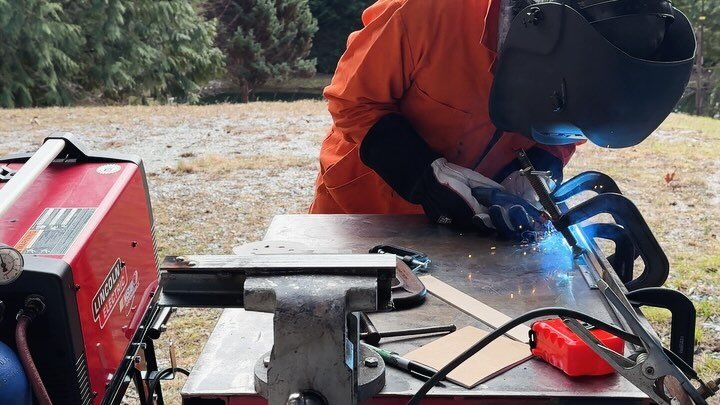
(487, 314)
(496, 358)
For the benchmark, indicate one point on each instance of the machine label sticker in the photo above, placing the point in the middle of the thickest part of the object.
(54, 231)
(129, 293)
(110, 293)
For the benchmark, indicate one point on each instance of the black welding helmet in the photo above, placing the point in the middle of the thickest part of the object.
(605, 70)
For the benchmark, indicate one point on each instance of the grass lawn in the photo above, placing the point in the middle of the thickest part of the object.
(218, 174)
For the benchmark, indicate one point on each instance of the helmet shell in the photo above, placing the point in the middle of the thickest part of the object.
(559, 80)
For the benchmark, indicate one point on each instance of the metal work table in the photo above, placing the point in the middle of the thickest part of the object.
(512, 278)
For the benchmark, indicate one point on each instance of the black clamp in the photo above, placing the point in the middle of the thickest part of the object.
(682, 321)
(631, 234)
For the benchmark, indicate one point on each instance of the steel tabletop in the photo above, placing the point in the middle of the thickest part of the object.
(511, 277)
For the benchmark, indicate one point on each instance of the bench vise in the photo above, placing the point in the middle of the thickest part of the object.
(317, 357)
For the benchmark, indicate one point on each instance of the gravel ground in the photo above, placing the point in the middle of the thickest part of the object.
(218, 174)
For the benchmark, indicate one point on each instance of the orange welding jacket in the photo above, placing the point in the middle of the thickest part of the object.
(430, 61)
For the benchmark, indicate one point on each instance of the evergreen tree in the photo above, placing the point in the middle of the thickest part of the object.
(146, 48)
(336, 20)
(705, 13)
(55, 51)
(37, 53)
(264, 39)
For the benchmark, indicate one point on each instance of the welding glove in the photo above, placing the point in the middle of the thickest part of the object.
(511, 216)
(396, 152)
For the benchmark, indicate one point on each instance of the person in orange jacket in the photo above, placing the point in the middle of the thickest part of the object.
(412, 131)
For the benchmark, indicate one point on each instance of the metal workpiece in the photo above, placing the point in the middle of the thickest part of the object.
(218, 281)
(510, 277)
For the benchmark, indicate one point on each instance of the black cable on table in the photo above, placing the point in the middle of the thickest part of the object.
(537, 313)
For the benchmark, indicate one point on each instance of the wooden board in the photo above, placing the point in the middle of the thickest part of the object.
(499, 356)
(487, 314)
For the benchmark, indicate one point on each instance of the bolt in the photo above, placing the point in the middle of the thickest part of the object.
(649, 370)
(180, 259)
(534, 17)
(192, 263)
(371, 362)
(266, 361)
(296, 399)
(137, 359)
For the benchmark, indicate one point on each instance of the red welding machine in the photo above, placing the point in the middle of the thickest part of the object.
(554, 342)
(84, 225)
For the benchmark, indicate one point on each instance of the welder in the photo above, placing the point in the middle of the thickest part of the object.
(420, 124)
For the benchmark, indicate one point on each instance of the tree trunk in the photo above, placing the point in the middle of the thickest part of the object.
(245, 88)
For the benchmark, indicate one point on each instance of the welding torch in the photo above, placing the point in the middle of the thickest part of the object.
(535, 178)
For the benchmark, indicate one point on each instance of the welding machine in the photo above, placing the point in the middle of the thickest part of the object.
(79, 271)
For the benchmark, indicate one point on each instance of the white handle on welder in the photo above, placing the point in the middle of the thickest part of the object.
(30, 171)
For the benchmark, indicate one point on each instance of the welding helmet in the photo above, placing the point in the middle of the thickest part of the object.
(605, 70)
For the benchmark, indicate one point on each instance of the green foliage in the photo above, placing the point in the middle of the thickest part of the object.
(147, 48)
(710, 9)
(336, 20)
(55, 51)
(37, 49)
(264, 39)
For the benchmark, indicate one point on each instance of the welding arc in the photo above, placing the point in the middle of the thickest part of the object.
(537, 313)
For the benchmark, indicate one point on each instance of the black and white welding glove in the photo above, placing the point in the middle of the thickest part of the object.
(396, 152)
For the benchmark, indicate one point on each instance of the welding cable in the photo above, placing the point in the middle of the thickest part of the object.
(537, 313)
(26, 359)
(159, 376)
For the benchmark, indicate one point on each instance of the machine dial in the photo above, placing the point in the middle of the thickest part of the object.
(11, 264)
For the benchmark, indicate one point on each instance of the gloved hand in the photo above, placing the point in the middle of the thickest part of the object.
(445, 192)
(514, 211)
(511, 216)
(401, 157)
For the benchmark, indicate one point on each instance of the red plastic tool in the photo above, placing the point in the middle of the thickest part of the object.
(554, 342)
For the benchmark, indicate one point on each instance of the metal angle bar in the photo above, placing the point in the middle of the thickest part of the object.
(219, 281)
(598, 268)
